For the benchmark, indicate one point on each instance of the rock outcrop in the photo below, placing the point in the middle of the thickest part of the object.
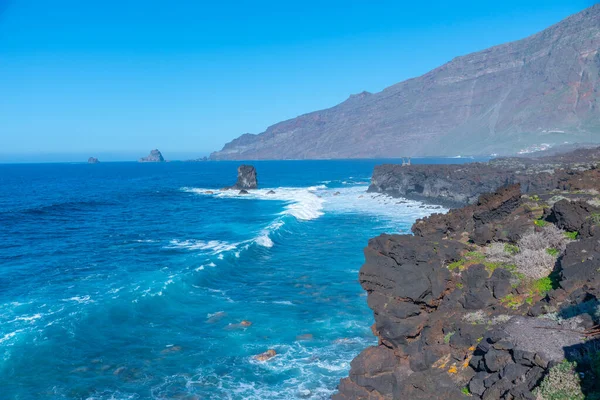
(246, 179)
(93, 160)
(454, 322)
(154, 156)
(457, 185)
(541, 89)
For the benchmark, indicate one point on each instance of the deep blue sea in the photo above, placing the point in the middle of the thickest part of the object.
(130, 281)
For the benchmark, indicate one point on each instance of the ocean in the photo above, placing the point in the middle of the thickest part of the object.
(131, 281)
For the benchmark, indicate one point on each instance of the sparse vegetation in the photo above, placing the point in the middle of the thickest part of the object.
(465, 391)
(561, 383)
(572, 235)
(550, 236)
(511, 301)
(535, 264)
(456, 265)
(470, 258)
(496, 252)
(448, 336)
(511, 249)
(540, 223)
(543, 285)
(595, 218)
(475, 256)
(555, 199)
(476, 317)
(539, 250)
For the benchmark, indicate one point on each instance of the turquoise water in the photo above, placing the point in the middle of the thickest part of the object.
(130, 281)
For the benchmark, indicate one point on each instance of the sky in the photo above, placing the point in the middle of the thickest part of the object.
(119, 78)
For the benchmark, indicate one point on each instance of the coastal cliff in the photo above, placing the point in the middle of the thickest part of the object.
(458, 185)
(493, 300)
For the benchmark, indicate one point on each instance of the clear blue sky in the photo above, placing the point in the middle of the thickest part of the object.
(95, 77)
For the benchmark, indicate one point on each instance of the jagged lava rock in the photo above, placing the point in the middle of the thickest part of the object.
(441, 330)
(154, 156)
(575, 216)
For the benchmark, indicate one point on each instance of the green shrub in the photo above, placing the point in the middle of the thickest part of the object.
(447, 337)
(561, 383)
(572, 235)
(540, 222)
(543, 286)
(553, 252)
(475, 256)
(511, 301)
(492, 266)
(511, 248)
(465, 391)
(456, 265)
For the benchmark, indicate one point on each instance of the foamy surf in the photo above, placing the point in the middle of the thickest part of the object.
(356, 200)
(310, 203)
(303, 203)
(213, 247)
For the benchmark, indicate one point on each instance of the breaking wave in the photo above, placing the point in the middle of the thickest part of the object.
(302, 203)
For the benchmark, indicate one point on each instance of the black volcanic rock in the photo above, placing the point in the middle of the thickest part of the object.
(154, 156)
(457, 185)
(246, 179)
(449, 319)
(93, 160)
(541, 89)
(576, 216)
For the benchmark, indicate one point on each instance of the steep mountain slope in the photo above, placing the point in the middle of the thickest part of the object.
(542, 89)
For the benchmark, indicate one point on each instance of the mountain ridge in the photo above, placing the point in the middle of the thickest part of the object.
(539, 89)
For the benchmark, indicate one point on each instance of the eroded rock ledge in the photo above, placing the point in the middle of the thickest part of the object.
(454, 322)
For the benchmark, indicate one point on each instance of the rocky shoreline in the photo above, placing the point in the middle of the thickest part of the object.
(498, 299)
(461, 184)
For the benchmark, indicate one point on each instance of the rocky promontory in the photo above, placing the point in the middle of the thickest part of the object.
(461, 184)
(154, 156)
(93, 160)
(499, 299)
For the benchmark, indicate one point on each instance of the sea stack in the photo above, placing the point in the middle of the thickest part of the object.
(154, 156)
(93, 160)
(246, 178)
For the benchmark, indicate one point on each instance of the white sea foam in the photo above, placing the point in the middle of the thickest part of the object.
(303, 203)
(264, 240)
(317, 187)
(9, 335)
(26, 318)
(310, 203)
(212, 246)
(355, 200)
(80, 299)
